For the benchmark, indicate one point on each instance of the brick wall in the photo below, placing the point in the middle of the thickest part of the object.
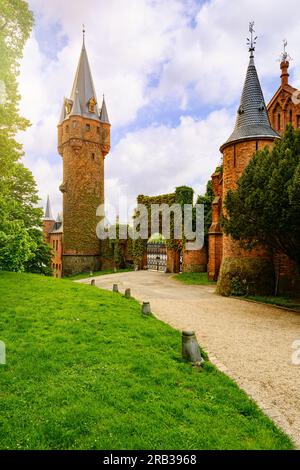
(195, 261)
(55, 243)
(83, 144)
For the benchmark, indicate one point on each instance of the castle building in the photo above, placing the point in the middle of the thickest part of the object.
(257, 126)
(83, 143)
(53, 230)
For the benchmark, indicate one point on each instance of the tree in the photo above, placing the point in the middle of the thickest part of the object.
(207, 201)
(265, 207)
(21, 240)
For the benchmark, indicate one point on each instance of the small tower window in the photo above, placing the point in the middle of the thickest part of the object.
(291, 116)
(67, 129)
(93, 156)
(98, 130)
(234, 156)
(88, 127)
(74, 124)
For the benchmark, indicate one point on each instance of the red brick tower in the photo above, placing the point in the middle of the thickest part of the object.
(252, 131)
(83, 143)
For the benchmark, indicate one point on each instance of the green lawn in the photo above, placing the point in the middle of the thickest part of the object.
(86, 371)
(194, 279)
(77, 277)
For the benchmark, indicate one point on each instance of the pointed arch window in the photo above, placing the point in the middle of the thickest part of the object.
(278, 122)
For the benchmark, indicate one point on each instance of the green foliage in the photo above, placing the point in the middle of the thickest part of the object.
(21, 240)
(139, 247)
(207, 201)
(184, 195)
(85, 370)
(264, 209)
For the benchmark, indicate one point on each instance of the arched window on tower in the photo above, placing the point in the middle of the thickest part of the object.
(291, 116)
(278, 122)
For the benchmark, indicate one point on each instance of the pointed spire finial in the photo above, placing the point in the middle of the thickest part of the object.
(83, 34)
(251, 42)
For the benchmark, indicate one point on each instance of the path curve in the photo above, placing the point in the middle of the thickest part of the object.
(252, 343)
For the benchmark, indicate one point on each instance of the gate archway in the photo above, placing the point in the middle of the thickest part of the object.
(157, 256)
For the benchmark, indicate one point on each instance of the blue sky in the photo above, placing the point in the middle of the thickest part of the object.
(172, 72)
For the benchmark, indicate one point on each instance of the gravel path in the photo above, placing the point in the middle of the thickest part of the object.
(252, 343)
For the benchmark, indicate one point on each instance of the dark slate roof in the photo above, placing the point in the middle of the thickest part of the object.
(48, 212)
(252, 117)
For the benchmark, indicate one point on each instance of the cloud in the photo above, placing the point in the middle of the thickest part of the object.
(186, 56)
(157, 159)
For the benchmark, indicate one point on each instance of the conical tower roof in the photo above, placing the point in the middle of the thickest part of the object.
(83, 83)
(103, 114)
(252, 117)
(48, 212)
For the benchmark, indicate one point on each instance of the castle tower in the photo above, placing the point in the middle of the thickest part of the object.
(252, 132)
(83, 143)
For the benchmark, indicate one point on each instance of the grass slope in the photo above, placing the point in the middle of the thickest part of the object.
(86, 371)
(77, 277)
(194, 279)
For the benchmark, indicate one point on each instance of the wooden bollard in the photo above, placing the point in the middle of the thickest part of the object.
(190, 348)
(115, 288)
(127, 293)
(146, 309)
(93, 282)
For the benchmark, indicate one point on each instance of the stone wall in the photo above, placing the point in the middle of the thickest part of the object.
(80, 264)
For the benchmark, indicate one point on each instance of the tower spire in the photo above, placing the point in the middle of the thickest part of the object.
(48, 212)
(103, 113)
(252, 119)
(83, 94)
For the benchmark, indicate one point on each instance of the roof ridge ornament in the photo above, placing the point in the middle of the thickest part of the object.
(284, 56)
(251, 42)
